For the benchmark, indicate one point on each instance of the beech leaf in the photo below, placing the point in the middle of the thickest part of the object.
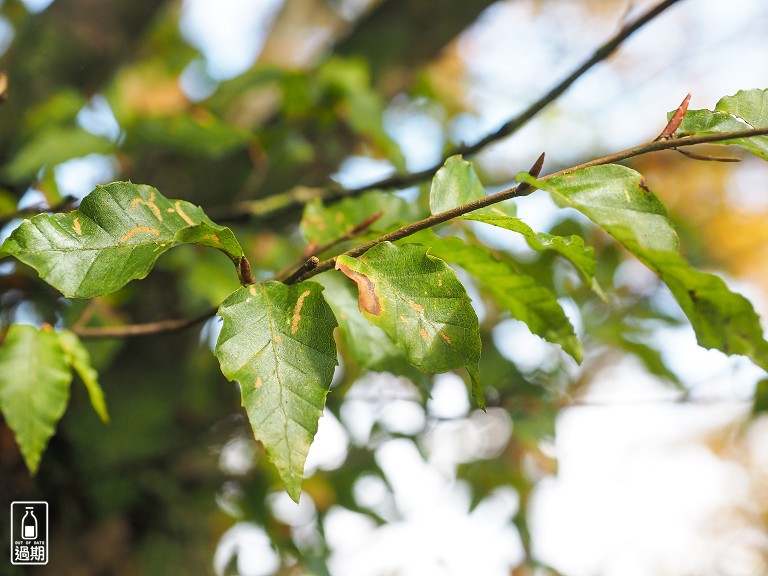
(370, 347)
(79, 359)
(617, 200)
(416, 299)
(34, 387)
(744, 110)
(115, 236)
(572, 247)
(277, 342)
(457, 183)
(520, 294)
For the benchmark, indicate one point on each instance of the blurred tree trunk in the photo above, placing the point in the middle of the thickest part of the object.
(398, 37)
(74, 43)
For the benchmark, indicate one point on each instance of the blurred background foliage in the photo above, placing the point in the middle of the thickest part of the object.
(327, 93)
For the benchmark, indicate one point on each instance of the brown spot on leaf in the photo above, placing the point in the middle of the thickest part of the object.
(367, 299)
(77, 227)
(149, 204)
(138, 230)
(252, 290)
(183, 214)
(212, 237)
(424, 334)
(445, 338)
(297, 311)
(258, 383)
(405, 320)
(416, 307)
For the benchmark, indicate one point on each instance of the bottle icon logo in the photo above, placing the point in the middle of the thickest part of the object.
(29, 532)
(29, 524)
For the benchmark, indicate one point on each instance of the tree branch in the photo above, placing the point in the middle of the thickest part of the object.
(161, 326)
(294, 198)
(524, 189)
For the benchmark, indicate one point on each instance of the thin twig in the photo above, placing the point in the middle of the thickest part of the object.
(298, 197)
(668, 144)
(314, 251)
(430, 221)
(135, 330)
(707, 157)
(522, 190)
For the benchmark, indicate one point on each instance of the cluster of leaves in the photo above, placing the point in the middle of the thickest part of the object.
(411, 311)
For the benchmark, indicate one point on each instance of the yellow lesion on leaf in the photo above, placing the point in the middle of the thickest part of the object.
(138, 230)
(183, 214)
(149, 204)
(212, 237)
(258, 383)
(76, 225)
(297, 311)
(416, 307)
(445, 338)
(405, 320)
(424, 334)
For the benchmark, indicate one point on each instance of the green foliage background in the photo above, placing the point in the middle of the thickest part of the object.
(144, 493)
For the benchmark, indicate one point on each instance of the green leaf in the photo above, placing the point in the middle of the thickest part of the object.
(746, 109)
(52, 146)
(34, 388)
(651, 358)
(420, 304)
(760, 403)
(520, 294)
(370, 347)
(347, 81)
(457, 183)
(721, 319)
(79, 359)
(572, 247)
(616, 199)
(204, 136)
(277, 342)
(116, 236)
(322, 224)
(749, 105)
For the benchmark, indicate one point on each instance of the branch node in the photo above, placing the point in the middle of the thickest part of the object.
(310, 264)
